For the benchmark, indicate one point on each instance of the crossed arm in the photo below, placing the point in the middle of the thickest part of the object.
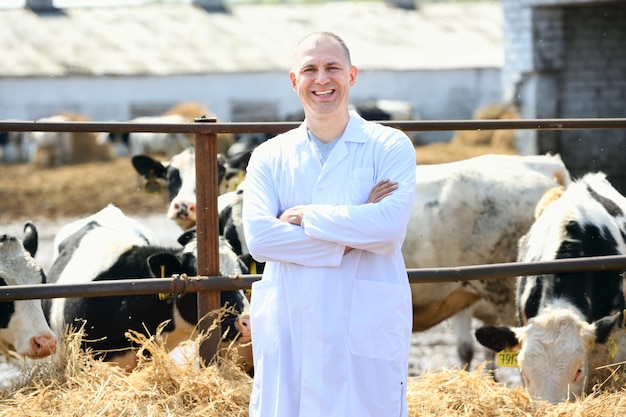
(381, 190)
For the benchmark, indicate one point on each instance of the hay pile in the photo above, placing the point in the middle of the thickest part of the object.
(500, 138)
(73, 384)
(452, 393)
(191, 110)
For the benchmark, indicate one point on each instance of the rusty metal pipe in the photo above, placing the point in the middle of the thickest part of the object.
(201, 283)
(278, 127)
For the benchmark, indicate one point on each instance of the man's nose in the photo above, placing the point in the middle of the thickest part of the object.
(322, 77)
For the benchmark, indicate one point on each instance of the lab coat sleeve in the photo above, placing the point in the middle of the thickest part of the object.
(376, 227)
(270, 239)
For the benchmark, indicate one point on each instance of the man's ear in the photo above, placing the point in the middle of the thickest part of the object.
(292, 77)
(353, 73)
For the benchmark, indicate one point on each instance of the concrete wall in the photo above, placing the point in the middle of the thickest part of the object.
(567, 60)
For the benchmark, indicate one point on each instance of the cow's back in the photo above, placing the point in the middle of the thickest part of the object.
(473, 211)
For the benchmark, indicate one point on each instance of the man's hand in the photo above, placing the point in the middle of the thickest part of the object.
(381, 190)
(293, 215)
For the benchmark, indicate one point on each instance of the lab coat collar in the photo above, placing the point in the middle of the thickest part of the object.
(354, 132)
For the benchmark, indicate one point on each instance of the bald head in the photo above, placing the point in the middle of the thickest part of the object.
(321, 36)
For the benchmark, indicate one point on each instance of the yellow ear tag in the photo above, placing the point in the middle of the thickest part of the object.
(152, 186)
(253, 268)
(164, 295)
(239, 178)
(507, 358)
(612, 347)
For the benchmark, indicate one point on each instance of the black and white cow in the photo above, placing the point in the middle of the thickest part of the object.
(179, 175)
(23, 326)
(565, 320)
(473, 212)
(110, 246)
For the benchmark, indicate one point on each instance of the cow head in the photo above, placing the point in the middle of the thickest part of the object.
(553, 350)
(179, 174)
(185, 262)
(22, 322)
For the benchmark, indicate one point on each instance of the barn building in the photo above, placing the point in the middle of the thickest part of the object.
(566, 59)
(117, 63)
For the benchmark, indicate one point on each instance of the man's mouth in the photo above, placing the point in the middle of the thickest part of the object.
(323, 93)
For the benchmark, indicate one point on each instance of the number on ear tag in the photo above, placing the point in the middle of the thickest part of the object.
(507, 358)
(164, 295)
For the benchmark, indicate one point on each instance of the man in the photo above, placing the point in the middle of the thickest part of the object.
(326, 206)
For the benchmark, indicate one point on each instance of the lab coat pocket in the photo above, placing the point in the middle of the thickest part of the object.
(264, 317)
(379, 324)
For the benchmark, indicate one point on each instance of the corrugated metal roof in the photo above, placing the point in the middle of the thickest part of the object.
(184, 39)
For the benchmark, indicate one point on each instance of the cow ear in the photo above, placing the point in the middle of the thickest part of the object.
(164, 265)
(605, 326)
(187, 236)
(148, 167)
(496, 338)
(31, 238)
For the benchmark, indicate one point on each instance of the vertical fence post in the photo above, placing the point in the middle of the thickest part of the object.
(207, 225)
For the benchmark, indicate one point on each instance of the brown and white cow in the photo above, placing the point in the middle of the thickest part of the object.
(564, 319)
(23, 326)
(473, 212)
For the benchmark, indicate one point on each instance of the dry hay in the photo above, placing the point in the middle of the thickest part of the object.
(500, 138)
(456, 392)
(191, 110)
(74, 384)
(84, 148)
(442, 152)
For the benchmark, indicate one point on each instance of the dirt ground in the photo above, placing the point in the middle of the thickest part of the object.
(74, 190)
(83, 189)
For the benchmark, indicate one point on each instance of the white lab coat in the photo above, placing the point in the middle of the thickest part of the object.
(330, 333)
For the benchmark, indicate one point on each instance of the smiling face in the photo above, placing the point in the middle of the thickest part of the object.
(322, 76)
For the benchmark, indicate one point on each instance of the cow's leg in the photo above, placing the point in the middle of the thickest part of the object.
(486, 312)
(462, 328)
(65, 149)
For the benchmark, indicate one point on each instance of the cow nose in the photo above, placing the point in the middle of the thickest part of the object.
(243, 324)
(42, 345)
(185, 210)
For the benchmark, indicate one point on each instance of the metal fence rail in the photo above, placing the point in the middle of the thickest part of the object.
(279, 127)
(180, 285)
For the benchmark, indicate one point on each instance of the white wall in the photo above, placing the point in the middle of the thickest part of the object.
(436, 94)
